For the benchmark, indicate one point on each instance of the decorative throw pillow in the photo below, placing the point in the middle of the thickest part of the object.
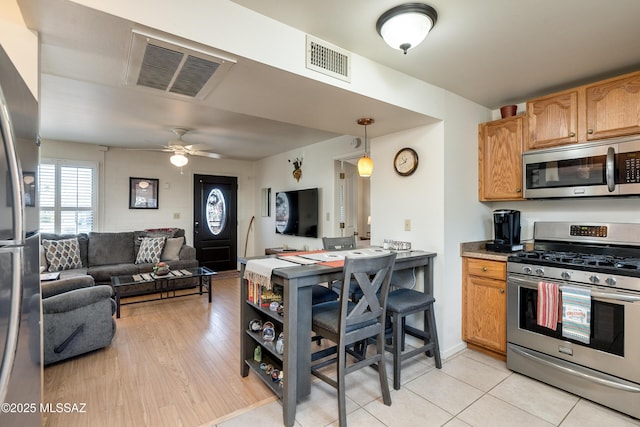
(150, 250)
(62, 254)
(172, 248)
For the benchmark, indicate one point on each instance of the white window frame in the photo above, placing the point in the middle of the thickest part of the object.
(59, 163)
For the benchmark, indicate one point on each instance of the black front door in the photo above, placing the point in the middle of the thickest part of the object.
(215, 230)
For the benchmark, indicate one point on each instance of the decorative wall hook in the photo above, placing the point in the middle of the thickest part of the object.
(297, 168)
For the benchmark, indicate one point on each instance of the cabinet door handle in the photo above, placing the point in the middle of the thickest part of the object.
(572, 134)
(484, 268)
(590, 131)
(502, 290)
(518, 190)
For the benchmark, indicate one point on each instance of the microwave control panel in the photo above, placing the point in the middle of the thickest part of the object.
(629, 167)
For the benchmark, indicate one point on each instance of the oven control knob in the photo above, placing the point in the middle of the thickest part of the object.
(565, 275)
(594, 278)
(540, 271)
(527, 269)
(611, 281)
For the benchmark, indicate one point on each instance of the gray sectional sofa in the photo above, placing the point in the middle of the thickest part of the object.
(78, 307)
(114, 253)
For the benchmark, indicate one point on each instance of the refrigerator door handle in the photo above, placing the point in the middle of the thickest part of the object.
(11, 346)
(15, 177)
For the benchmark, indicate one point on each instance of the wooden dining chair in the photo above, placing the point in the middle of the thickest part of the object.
(347, 323)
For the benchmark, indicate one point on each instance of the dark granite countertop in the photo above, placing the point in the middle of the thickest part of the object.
(477, 250)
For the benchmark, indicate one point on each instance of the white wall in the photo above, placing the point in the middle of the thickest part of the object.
(20, 43)
(317, 171)
(175, 197)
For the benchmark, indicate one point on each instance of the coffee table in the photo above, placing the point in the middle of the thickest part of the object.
(164, 285)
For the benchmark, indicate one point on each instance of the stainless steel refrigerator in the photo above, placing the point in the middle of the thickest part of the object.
(20, 297)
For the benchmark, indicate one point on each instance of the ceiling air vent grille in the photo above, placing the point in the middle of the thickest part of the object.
(172, 68)
(328, 59)
(194, 74)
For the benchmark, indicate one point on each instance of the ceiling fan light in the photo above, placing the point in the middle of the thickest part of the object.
(179, 160)
(406, 26)
(365, 166)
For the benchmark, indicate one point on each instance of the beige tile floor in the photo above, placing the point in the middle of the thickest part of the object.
(471, 389)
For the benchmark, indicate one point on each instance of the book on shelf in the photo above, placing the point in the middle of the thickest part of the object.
(262, 296)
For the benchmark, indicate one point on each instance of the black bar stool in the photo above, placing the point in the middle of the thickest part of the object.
(401, 303)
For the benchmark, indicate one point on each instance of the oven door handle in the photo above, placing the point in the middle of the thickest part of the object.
(533, 284)
(526, 282)
(626, 386)
(616, 296)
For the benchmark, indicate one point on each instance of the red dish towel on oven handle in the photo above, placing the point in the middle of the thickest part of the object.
(548, 305)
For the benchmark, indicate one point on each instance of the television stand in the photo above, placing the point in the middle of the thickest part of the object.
(277, 251)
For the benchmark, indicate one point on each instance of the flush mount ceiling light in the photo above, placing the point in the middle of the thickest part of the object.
(365, 164)
(406, 26)
(179, 160)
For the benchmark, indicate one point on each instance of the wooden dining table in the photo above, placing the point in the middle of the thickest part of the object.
(295, 320)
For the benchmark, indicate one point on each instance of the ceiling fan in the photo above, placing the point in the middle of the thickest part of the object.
(180, 150)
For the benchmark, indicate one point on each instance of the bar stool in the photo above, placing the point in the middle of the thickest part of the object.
(346, 323)
(342, 243)
(401, 303)
(320, 293)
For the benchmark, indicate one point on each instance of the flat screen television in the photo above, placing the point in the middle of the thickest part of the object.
(297, 212)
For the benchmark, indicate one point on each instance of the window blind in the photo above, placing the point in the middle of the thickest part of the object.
(67, 197)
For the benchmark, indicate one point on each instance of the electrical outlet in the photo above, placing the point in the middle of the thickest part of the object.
(407, 225)
(176, 215)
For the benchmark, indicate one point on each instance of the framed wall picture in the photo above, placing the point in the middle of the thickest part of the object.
(143, 193)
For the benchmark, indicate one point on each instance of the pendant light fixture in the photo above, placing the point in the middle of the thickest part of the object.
(365, 164)
(406, 26)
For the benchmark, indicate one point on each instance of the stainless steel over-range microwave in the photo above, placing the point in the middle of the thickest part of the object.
(605, 168)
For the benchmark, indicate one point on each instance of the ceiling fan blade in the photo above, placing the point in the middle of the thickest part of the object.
(196, 147)
(148, 149)
(207, 154)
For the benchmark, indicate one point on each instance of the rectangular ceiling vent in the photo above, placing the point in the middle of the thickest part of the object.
(176, 69)
(328, 59)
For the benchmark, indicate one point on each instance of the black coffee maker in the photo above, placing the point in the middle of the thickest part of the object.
(506, 227)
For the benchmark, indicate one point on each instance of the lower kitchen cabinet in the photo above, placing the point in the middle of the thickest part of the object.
(484, 305)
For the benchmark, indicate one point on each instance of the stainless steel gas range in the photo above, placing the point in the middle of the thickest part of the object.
(599, 264)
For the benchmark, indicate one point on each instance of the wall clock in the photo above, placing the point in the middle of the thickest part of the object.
(406, 161)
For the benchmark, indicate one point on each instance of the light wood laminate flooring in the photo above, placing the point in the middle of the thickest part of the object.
(171, 363)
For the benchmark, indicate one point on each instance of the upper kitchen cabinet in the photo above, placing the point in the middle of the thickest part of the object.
(500, 159)
(553, 120)
(605, 109)
(613, 107)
